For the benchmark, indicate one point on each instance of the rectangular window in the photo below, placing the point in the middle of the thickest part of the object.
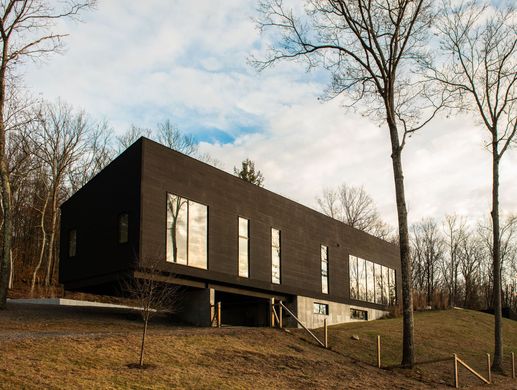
(378, 284)
(275, 256)
(361, 278)
(243, 247)
(72, 243)
(324, 269)
(321, 308)
(385, 285)
(392, 288)
(123, 228)
(357, 314)
(370, 289)
(352, 269)
(372, 282)
(187, 230)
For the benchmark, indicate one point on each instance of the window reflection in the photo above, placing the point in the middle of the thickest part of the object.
(187, 225)
(243, 247)
(324, 270)
(275, 256)
(352, 267)
(371, 282)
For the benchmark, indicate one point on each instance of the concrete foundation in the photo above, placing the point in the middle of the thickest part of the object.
(195, 306)
(338, 312)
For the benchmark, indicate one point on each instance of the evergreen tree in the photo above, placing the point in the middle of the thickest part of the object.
(248, 173)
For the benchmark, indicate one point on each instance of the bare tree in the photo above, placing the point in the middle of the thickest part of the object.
(58, 141)
(25, 29)
(455, 231)
(428, 250)
(172, 137)
(480, 50)
(353, 206)
(152, 295)
(128, 138)
(373, 51)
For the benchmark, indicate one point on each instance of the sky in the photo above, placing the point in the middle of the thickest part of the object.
(187, 61)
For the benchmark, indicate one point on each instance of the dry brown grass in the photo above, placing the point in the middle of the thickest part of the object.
(63, 348)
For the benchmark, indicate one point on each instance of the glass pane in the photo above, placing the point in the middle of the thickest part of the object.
(243, 257)
(324, 285)
(352, 270)
(378, 284)
(393, 287)
(243, 227)
(123, 228)
(361, 277)
(370, 296)
(197, 235)
(72, 243)
(385, 285)
(275, 256)
(176, 245)
(324, 252)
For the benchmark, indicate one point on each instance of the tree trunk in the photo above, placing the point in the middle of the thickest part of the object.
(497, 364)
(5, 265)
(43, 243)
(142, 347)
(52, 235)
(408, 358)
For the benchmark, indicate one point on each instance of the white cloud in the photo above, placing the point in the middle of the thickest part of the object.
(187, 61)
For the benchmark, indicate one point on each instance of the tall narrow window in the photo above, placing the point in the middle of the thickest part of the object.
(324, 269)
(243, 247)
(275, 256)
(392, 287)
(123, 228)
(370, 290)
(378, 284)
(385, 285)
(361, 277)
(352, 270)
(187, 229)
(72, 243)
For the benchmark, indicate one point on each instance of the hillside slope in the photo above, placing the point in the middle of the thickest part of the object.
(43, 347)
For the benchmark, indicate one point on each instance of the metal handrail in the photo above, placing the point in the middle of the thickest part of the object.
(302, 325)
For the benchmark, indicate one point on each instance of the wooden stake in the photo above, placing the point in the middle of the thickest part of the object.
(379, 351)
(280, 314)
(513, 365)
(488, 367)
(218, 314)
(325, 333)
(456, 379)
(272, 307)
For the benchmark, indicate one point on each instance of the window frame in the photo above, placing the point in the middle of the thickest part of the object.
(324, 261)
(119, 230)
(273, 281)
(320, 305)
(72, 232)
(187, 264)
(247, 238)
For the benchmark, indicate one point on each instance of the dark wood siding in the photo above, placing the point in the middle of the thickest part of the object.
(93, 212)
(303, 230)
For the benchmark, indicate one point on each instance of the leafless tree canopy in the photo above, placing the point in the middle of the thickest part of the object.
(27, 32)
(480, 57)
(353, 206)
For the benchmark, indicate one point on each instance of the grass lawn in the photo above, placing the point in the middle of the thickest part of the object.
(61, 348)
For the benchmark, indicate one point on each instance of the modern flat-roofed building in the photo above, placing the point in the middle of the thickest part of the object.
(224, 240)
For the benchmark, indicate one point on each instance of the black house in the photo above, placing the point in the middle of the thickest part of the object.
(224, 240)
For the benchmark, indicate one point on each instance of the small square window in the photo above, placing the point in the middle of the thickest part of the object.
(123, 228)
(357, 314)
(321, 308)
(72, 243)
